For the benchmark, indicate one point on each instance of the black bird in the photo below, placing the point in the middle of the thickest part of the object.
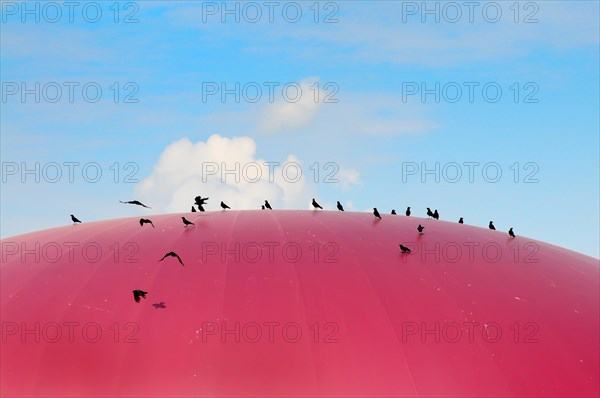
(460, 221)
(139, 293)
(316, 205)
(74, 219)
(224, 206)
(420, 228)
(267, 205)
(491, 226)
(145, 221)
(436, 215)
(511, 233)
(159, 305)
(339, 206)
(407, 211)
(262, 207)
(135, 202)
(194, 209)
(429, 213)
(199, 200)
(186, 222)
(393, 212)
(376, 213)
(404, 249)
(172, 254)
(201, 208)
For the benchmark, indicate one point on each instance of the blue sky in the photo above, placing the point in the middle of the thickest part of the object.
(370, 57)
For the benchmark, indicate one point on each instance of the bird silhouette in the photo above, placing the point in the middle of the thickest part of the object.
(407, 211)
(262, 207)
(393, 212)
(201, 208)
(339, 206)
(159, 305)
(199, 200)
(460, 221)
(135, 202)
(491, 226)
(194, 209)
(429, 213)
(376, 213)
(420, 228)
(224, 206)
(172, 254)
(404, 249)
(267, 205)
(316, 205)
(511, 233)
(139, 293)
(74, 219)
(436, 215)
(145, 221)
(186, 222)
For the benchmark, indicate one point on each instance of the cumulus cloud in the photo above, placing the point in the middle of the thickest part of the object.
(223, 169)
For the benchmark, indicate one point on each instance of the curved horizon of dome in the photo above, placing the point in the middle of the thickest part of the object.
(292, 302)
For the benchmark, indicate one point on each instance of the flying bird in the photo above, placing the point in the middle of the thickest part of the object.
(429, 213)
(145, 221)
(172, 254)
(135, 202)
(420, 228)
(199, 200)
(511, 233)
(460, 221)
(193, 209)
(139, 293)
(436, 215)
(267, 205)
(376, 213)
(393, 212)
(316, 205)
(339, 206)
(224, 206)
(491, 226)
(186, 222)
(407, 211)
(404, 249)
(74, 219)
(159, 305)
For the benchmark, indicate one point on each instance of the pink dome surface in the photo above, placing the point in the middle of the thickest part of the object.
(275, 303)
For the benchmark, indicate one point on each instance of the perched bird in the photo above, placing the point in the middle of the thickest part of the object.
(224, 206)
(339, 206)
(404, 249)
(491, 226)
(436, 215)
(199, 200)
(262, 207)
(135, 202)
(407, 211)
(420, 228)
(172, 254)
(460, 221)
(145, 221)
(393, 212)
(429, 213)
(74, 219)
(316, 205)
(139, 293)
(186, 222)
(201, 208)
(376, 213)
(267, 205)
(159, 305)
(511, 233)
(194, 209)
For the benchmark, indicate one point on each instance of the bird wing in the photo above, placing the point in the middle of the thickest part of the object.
(179, 258)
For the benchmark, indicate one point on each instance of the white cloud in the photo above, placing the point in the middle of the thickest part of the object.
(223, 169)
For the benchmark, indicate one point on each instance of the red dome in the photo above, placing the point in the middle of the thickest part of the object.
(295, 303)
